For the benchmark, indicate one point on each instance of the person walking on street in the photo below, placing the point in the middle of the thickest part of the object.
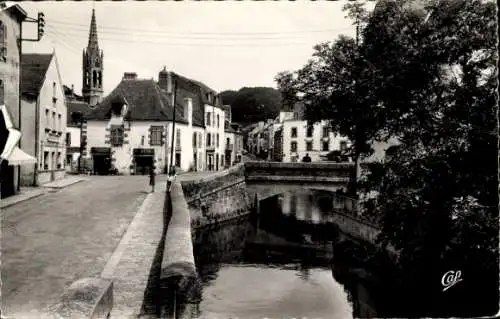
(171, 177)
(152, 179)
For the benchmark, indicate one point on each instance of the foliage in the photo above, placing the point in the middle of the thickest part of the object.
(428, 76)
(250, 105)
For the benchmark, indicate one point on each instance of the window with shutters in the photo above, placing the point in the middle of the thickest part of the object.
(156, 135)
(3, 41)
(178, 138)
(117, 135)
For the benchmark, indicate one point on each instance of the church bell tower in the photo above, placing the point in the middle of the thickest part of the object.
(92, 67)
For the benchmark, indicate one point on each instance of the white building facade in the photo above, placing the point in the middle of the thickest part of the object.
(43, 119)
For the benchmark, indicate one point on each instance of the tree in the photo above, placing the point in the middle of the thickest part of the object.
(428, 76)
(438, 193)
(336, 85)
(250, 105)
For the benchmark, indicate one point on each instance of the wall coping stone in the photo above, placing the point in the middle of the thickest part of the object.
(86, 298)
(178, 265)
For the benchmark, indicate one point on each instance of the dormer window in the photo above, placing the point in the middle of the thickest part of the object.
(116, 108)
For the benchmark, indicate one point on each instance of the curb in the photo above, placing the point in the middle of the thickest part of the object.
(67, 185)
(23, 200)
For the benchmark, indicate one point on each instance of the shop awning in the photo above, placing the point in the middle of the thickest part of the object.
(20, 157)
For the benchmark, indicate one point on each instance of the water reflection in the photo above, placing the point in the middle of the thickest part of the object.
(276, 264)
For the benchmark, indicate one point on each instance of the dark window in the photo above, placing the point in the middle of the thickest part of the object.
(178, 159)
(194, 139)
(209, 139)
(310, 130)
(68, 139)
(3, 41)
(217, 140)
(325, 146)
(117, 134)
(309, 146)
(293, 146)
(94, 81)
(218, 120)
(2, 97)
(326, 131)
(294, 132)
(209, 117)
(156, 135)
(178, 138)
(343, 145)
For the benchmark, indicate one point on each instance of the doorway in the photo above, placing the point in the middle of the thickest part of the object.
(102, 164)
(210, 160)
(7, 180)
(143, 164)
(143, 160)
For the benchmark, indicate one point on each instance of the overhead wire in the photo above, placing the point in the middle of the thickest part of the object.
(198, 33)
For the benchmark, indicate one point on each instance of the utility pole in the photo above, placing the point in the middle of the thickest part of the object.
(172, 146)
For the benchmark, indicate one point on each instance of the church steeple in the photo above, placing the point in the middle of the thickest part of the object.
(92, 66)
(93, 43)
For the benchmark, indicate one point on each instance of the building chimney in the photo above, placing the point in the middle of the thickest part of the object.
(129, 76)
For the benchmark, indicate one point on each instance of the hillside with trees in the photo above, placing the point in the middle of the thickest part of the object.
(252, 104)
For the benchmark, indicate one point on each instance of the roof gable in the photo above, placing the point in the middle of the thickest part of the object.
(145, 100)
(33, 69)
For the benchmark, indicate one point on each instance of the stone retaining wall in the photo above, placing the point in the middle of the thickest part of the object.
(218, 198)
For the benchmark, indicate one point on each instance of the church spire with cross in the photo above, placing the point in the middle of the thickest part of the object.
(92, 66)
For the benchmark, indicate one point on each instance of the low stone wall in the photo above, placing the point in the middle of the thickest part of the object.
(178, 270)
(218, 198)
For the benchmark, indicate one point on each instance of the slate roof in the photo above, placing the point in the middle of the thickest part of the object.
(33, 69)
(145, 100)
(76, 106)
(186, 88)
(230, 128)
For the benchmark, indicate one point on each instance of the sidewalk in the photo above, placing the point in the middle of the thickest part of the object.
(25, 194)
(65, 182)
(130, 265)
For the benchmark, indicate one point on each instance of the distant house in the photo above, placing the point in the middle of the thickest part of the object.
(130, 129)
(43, 119)
(207, 118)
(233, 144)
(76, 127)
(292, 138)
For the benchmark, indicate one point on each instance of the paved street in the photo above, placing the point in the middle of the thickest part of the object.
(52, 240)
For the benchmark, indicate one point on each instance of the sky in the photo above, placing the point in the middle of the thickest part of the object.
(226, 45)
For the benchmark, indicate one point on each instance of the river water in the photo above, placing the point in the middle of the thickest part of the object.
(275, 264)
